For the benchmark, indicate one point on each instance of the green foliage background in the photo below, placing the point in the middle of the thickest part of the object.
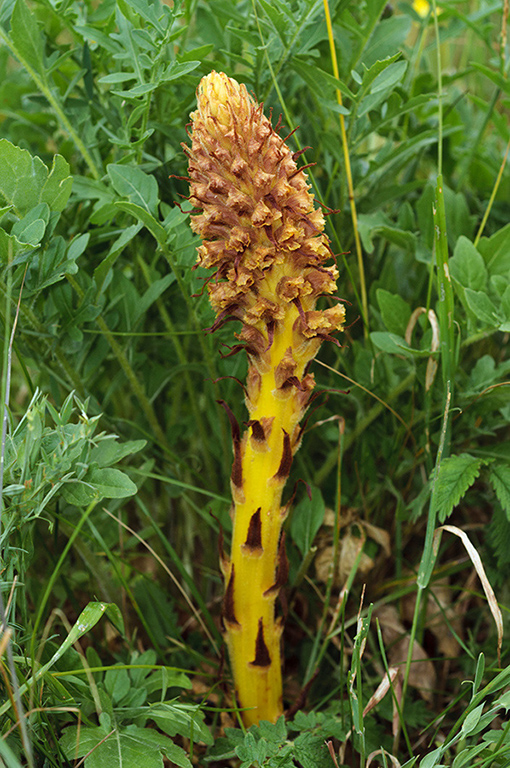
(116, 454)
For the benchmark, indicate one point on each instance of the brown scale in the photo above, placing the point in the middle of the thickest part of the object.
(286, 461)
(282, 569)
(253, 541)
(262, 657)
(228, 613)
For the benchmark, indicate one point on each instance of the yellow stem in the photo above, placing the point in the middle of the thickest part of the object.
(254, 637)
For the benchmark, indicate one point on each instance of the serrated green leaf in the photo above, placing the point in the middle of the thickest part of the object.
(500, 479)
(456, 475)
(25, 181)
(130, 747)
(373, 72)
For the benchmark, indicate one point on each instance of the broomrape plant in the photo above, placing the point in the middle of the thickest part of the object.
(264, 237)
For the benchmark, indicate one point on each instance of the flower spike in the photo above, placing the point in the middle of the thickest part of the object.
(264, 237)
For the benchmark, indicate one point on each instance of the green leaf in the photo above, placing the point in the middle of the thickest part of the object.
(99, 483)
(117, 684)
(456, 475)
(318, 80)
(109, 451)
(374, 72)
(467, 265)
(505, 302)
(7, 756)
(471, 720)
(143, 215)
(481, 306)
(118, 245)
(131, 182)
(174, 71)
(111, 483)
(10, 247)
(395, 311)
(87, 619)
(27, 38)
(306, 520)
(387, 79)
(130, 747)
(25, 181)
(117, 77)
(388, 36)
(57, 187)
(396, 345)
(496, 252)
(31, 228)
(500, 479)
(176, 718)
(155, 290)
(373, 225)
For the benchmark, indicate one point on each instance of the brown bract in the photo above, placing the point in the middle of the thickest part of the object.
(258, 223)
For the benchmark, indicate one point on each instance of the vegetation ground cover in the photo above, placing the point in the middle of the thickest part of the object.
(116, 456)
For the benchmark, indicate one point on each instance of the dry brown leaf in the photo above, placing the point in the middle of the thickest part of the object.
(477, 562)
(422, 675)
(393, 759)
(382, 689)
(442, 616)
(350, 545)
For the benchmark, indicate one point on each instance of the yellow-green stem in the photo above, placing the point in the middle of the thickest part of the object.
(254, 636)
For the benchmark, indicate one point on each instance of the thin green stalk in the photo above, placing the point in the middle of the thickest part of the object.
(55, 572)
(428, 557)
(45, 89)
(191, 391)
(4, 405)
(5, 380)
(184, 575)
(394, 696)
(124, 363)
(288, 118)
(493, 196)
(348, 174)
(444, 290)
(363, 424)
(315, 654)
(56, 351)
(122, 581)
(466, 163)
(439, 93)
